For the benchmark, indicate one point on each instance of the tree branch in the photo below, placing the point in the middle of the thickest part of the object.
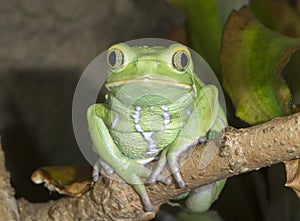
(8, 204)
(241, 150)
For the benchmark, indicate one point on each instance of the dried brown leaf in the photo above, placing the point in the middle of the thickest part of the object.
(293, 175)
(293, 167)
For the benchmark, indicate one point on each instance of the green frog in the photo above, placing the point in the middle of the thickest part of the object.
(155, 109)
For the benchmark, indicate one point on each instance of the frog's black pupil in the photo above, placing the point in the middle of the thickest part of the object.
(184, 60)
(112, 58)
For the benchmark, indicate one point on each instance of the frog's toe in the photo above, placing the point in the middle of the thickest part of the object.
(108, 170)
(160, 178)
(147, 206)
(164, 180)
(97, 167)
(141, 190)
(173, 163)
(156, 176)
(145, 172)
(179, 179)
(95, 174)
(156, 173)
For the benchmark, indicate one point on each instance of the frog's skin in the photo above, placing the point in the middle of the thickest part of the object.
(156, 108)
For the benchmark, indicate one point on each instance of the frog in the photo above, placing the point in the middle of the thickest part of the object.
(156, 108)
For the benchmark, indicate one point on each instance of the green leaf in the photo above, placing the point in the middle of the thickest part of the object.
(252, 58)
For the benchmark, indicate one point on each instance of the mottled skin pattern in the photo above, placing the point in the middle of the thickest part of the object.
(156, 108)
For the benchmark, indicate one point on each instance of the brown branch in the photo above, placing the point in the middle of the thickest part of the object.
(8, 204)
(241, 150)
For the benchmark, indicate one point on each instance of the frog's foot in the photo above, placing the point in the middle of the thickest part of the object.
(173, 163)
(97, 167)
(133, 173)
(156, 173)
(143, 172)
(173, 157)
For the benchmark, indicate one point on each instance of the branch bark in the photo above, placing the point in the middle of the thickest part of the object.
(241, 150)
(8, 204)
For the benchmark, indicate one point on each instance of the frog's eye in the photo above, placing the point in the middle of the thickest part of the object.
(180, 60)
(115, 58)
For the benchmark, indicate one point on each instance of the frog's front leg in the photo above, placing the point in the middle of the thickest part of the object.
(201, 119)
(130, 170)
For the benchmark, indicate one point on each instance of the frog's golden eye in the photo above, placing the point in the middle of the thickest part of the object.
(180, 60)
(115, 58)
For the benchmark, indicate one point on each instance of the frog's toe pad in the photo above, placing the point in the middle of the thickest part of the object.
(179, 179)
(152, 180)
(161, 179)
(95, 174)
(108, 170)
(164, 180)
(148, 207)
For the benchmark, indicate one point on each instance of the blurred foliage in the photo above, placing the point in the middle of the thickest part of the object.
(253, 52)
(204, 29)
(204, 26)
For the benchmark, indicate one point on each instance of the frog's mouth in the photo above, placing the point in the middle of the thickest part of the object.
(148, 79)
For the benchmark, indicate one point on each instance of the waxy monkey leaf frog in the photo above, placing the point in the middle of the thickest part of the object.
(155, 109)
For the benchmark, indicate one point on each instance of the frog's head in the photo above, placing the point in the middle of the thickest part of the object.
(170, 67)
